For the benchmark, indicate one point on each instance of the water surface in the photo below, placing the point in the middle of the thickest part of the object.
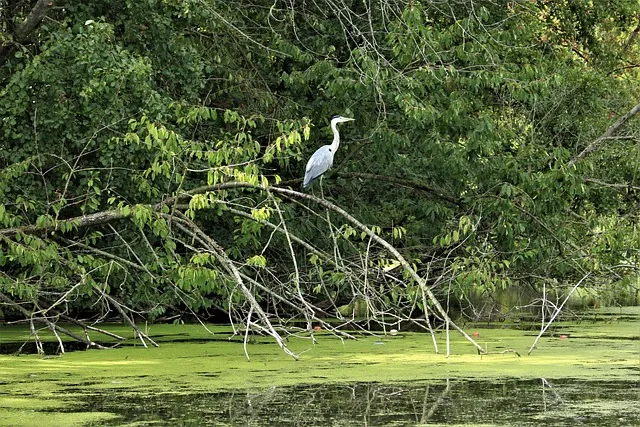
(581, 373)
(562, 402)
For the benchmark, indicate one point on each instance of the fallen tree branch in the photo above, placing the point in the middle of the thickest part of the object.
(544, 327)
(308, 312)
(405, 264)
(48, 323)
(128, 319)
(190, 228)
(85, 326)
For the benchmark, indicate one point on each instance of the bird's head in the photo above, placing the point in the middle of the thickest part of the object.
(340, 119)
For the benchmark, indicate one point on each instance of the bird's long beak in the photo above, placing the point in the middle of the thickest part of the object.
(347, 119)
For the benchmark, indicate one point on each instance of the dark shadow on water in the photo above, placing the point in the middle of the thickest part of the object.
(53, 348)
(538, 402)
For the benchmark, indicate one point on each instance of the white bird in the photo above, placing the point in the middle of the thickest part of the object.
(322, 159)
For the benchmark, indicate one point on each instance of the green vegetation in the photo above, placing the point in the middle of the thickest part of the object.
(148, 150)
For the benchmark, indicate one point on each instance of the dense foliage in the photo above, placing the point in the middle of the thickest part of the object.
(141, 143)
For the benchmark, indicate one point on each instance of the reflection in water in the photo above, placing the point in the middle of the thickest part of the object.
(510, 402)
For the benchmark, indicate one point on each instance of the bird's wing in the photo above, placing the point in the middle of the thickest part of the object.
(318, 164)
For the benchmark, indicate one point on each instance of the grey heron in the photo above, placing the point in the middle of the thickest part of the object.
(322, 159)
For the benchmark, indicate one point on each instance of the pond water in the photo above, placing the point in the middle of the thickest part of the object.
(562, 402)
(581, 373)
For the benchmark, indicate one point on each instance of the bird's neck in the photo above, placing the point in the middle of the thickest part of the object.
(336, 137)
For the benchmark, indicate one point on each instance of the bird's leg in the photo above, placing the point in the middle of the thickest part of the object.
(321, 190)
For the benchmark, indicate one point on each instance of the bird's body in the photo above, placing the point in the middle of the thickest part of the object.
(319, 163)
(322, 159)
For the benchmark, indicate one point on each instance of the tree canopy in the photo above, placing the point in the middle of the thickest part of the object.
(148, 150)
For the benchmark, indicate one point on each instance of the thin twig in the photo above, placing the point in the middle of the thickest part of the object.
(558, 310)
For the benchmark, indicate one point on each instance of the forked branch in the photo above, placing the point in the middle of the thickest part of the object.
(405, 265)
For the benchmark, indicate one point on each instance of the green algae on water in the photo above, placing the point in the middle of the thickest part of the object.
(191, 362)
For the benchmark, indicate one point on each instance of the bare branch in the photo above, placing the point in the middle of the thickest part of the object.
(612, 185)
(102, 253)
(418, 185)
(24, 30)
(128, 319)
(405, 264)
(544, 326)
(190, 228)
(79, 222)
(47, 322)
(34, 19)
(595, 145)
